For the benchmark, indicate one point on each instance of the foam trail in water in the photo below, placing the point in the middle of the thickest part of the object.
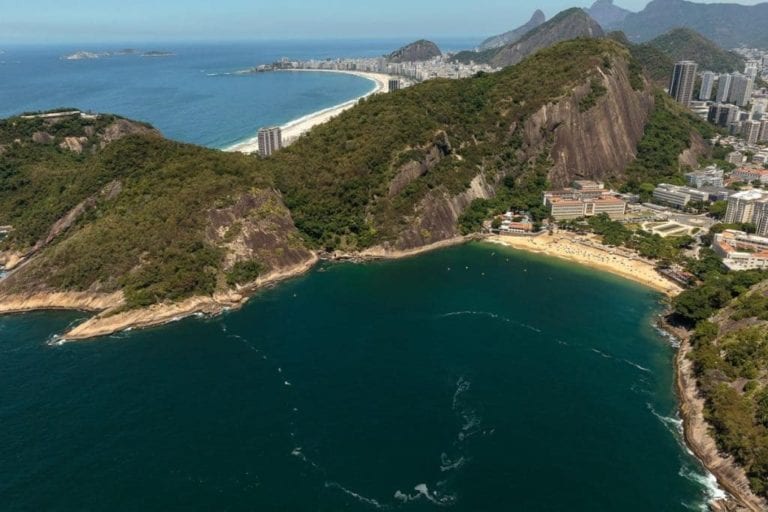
(422, 491)
(359, 497)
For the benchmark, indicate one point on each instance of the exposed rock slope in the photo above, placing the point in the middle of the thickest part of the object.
(419, 51)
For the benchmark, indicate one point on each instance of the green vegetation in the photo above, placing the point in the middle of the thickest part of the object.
(667, 135)
(336, 181)
(596, 91)
(142, 228)
(244, 272)
(686, 44)
(731, 364)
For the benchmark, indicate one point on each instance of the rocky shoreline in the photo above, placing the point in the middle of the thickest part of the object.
(730, 476)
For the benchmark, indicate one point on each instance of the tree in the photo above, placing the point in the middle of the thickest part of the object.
(717, 209)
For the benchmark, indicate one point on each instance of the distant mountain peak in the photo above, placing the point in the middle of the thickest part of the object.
(512, 36)
(417, 51)
(569, 24)
(607, 13)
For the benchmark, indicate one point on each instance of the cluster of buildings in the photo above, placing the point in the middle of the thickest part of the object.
(438, 67)
(722, 98)
(702, 186)
(740, 251)
(584, 199)
(749, 207)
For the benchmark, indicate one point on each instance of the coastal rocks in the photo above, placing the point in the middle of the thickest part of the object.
(257, 227)
(18, 303)
(596, 144)
(696, 431)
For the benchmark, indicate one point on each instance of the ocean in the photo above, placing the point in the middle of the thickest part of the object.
(192, 96)
(471, 379)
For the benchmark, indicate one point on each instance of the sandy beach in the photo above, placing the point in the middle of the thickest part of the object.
(587, 251)
(294, 129)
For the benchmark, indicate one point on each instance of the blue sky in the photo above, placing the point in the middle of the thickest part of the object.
(49, 21)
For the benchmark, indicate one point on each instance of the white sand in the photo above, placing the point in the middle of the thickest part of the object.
(293, 129)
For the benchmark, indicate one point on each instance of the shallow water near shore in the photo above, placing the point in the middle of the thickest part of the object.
(473, 378)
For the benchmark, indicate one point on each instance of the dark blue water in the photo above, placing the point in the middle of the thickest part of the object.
(471, 379)
(190, 96)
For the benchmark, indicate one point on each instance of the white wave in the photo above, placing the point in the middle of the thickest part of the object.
(706, 480)
(446, 464)
(601, 353)
(298, 452)
(673, 424)
(673, 340)
(287, 383)
(363, 499)
(641, 368)
(422, 491)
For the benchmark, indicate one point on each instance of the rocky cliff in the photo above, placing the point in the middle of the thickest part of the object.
(418, 51)
(570, 24)
(514, 35)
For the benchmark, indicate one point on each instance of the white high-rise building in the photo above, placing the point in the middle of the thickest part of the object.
(741, 89)
(683, 80)
(750, 206)
(764, 131)
(751, 131)
(707, 84)
(723, 88)
(270, 140)
(752, 68)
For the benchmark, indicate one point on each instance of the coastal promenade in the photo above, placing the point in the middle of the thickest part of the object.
(296, 128)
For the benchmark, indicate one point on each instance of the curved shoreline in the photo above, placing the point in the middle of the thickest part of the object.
(730, 476)
(297, 127)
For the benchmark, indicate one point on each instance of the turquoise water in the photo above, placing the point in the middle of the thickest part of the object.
(470, 379)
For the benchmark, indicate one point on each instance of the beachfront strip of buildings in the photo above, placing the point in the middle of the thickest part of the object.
(438, 67)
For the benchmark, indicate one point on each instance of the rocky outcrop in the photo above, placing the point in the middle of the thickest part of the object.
(436, 217)
(412, 170)
(697, 149)
(514, 35)
(598, 143)
(123, 128)
(419, 51)
(83, 301)
(570, 24)
(258, 227)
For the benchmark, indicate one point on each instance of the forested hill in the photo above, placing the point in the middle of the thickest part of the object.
(101, 210)
(730, 25)
(659, 55)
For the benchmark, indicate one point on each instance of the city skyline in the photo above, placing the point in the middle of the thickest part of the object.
(52, 21)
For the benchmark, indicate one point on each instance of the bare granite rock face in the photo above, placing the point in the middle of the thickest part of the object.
(257, 227)
(596, 144)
